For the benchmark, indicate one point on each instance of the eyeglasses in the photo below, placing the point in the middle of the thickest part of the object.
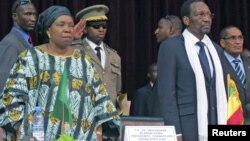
(19, 3)
(234, 38)
(202, 15)
(98, 25)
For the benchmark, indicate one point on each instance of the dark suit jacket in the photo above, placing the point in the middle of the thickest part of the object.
(176, 88)
(139, 103)
(243, 92)
(153, 108)
(11, 45)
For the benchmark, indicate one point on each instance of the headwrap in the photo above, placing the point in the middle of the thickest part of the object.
(47, 17)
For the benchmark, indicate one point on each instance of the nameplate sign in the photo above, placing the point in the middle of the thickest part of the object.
(150, 133)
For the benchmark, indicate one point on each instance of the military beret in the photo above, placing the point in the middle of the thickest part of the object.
(93, 13)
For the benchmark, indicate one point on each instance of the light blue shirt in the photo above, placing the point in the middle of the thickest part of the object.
(23, 34)
(230, 58)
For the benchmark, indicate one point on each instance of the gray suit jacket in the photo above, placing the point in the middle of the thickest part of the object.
(111, 74)
(176, 88)
(11, 45)
(244, 92)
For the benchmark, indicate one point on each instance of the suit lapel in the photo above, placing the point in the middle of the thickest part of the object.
(21, 39)
(149, 88)
(233, 73)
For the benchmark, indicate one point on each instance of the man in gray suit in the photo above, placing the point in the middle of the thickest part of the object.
(18, 39)
(231, 40)
(190, 77)
(144, 101)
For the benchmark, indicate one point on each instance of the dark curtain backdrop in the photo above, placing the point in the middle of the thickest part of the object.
(132, 24)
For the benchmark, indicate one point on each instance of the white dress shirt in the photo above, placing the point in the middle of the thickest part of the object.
(102, 51)
(195, 40)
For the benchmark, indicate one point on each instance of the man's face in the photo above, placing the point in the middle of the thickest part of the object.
(96, 31)
(163, 30)
(25, 17)
(233, 42)
(200, 19)
(153, 73)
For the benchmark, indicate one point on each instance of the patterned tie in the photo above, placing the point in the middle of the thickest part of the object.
(98, 53)
(239, 71)
(203, 59)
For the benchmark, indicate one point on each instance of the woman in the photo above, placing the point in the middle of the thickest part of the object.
(37, 79)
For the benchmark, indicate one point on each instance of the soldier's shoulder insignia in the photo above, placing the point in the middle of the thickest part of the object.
(110, 49)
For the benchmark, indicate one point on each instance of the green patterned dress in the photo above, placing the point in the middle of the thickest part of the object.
(34, 81)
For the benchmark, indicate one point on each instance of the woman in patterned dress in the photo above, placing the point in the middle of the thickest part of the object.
(34, 81)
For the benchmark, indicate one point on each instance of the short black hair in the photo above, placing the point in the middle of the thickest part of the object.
(175, 21)
(223, 33)
(17, 4)
(185, 8)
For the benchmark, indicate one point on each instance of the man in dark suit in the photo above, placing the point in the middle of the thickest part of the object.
(190, 77)
(231, 40)
(145, 98)
(168, 27)
(18, 39)
(139, 105)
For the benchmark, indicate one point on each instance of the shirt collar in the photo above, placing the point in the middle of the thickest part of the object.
(151, 84)
(230, 58)
(194, 39)
(25, 35)
(94, 45)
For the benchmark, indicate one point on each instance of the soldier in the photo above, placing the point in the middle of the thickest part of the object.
(105, 59)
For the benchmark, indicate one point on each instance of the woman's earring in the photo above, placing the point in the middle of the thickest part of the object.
(48, 35)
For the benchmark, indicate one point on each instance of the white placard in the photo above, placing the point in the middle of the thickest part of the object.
(149, 133)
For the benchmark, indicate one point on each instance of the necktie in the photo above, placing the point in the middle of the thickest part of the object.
(203, 59)
(98, 52)
(239, 71)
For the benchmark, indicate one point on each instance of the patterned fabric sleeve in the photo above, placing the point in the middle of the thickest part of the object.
(15, 94)
(103, 106)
